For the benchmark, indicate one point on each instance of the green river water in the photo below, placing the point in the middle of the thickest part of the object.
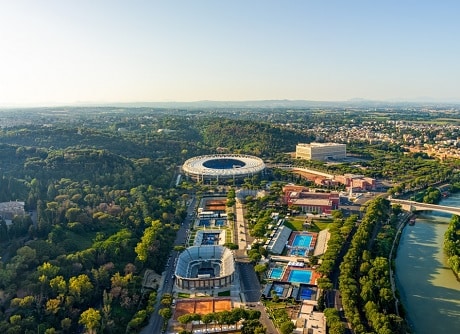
(428, 289)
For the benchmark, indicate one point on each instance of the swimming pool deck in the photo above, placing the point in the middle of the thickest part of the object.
(314, 275)
(283, 269)
(313, 239)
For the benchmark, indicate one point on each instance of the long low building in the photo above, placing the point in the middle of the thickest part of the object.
(279, 240)
(310, 201)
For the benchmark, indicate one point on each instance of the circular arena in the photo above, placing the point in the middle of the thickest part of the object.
(205, 267)
(222, 167)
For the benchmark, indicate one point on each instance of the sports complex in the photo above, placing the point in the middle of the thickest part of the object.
(205, 267)
(222, 167)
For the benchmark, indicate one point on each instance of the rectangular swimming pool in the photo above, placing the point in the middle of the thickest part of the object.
(298, 252)
(276, 273)
(302, 240)
(307, 293)
(299, 276)
(220, 222)
(205, 222)
(278, 289)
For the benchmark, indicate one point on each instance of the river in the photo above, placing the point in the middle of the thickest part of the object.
(428, 289)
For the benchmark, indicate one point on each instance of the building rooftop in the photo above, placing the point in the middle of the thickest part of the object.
(319, 144)
(310, 201)
(279, 240)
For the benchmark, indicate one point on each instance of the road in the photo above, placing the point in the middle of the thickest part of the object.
(249, 283)
(156, 321)
(250, 286)
(425, 206)
(265, 319)
(333, 298)
(251, 290)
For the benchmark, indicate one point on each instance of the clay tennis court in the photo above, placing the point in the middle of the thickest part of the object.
(215, 205)
(201, 306)
(204, 307)
(222, 305)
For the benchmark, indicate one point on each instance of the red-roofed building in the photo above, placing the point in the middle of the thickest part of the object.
(310, 201)
(358, 182)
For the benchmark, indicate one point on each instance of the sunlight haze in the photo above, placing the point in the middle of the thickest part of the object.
(66, 52)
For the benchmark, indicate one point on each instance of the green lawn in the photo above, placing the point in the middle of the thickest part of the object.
(274, 305)
(296, 224)
(228, 236)
(320, 225)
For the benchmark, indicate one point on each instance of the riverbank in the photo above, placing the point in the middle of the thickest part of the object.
(404, 219)
(427, 289)
(451, 247)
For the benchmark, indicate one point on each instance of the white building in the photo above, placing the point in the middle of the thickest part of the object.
(321, 151)
(10, 209)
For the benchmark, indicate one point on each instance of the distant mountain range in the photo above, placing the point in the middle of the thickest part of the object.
(273, 104)
(262, 104)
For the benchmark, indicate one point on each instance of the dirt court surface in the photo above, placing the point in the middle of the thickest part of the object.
(201, 306)
(222, 305)
(215, 205)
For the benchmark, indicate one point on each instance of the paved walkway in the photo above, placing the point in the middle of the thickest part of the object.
(240, 230)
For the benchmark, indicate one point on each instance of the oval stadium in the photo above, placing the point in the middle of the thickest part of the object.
(205, 267)
(222, 167)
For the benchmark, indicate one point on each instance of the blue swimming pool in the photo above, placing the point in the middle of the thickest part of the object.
(299, 276)
(306, 293)
(302, 240)
(298, 252)
(205, 222)
(276, 273)
(220, 222)
(278, 289)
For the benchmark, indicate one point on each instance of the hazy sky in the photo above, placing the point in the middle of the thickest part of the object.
(65, 51)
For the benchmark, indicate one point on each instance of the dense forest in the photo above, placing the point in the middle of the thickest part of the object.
(101, 192)
(364, 281)
(102, 206)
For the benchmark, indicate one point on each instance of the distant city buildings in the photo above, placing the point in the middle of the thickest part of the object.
(440, 140)
(321, 151)
(10, 209)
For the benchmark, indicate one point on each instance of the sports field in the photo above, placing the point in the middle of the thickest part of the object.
(215, 205)
(201, 306)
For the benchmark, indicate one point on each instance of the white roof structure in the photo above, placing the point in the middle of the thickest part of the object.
(205, 166)
(279, 240)
(196, 254)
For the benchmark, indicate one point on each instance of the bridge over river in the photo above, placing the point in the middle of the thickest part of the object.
(412, 206)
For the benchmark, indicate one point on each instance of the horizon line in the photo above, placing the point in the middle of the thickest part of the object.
(191, 102)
